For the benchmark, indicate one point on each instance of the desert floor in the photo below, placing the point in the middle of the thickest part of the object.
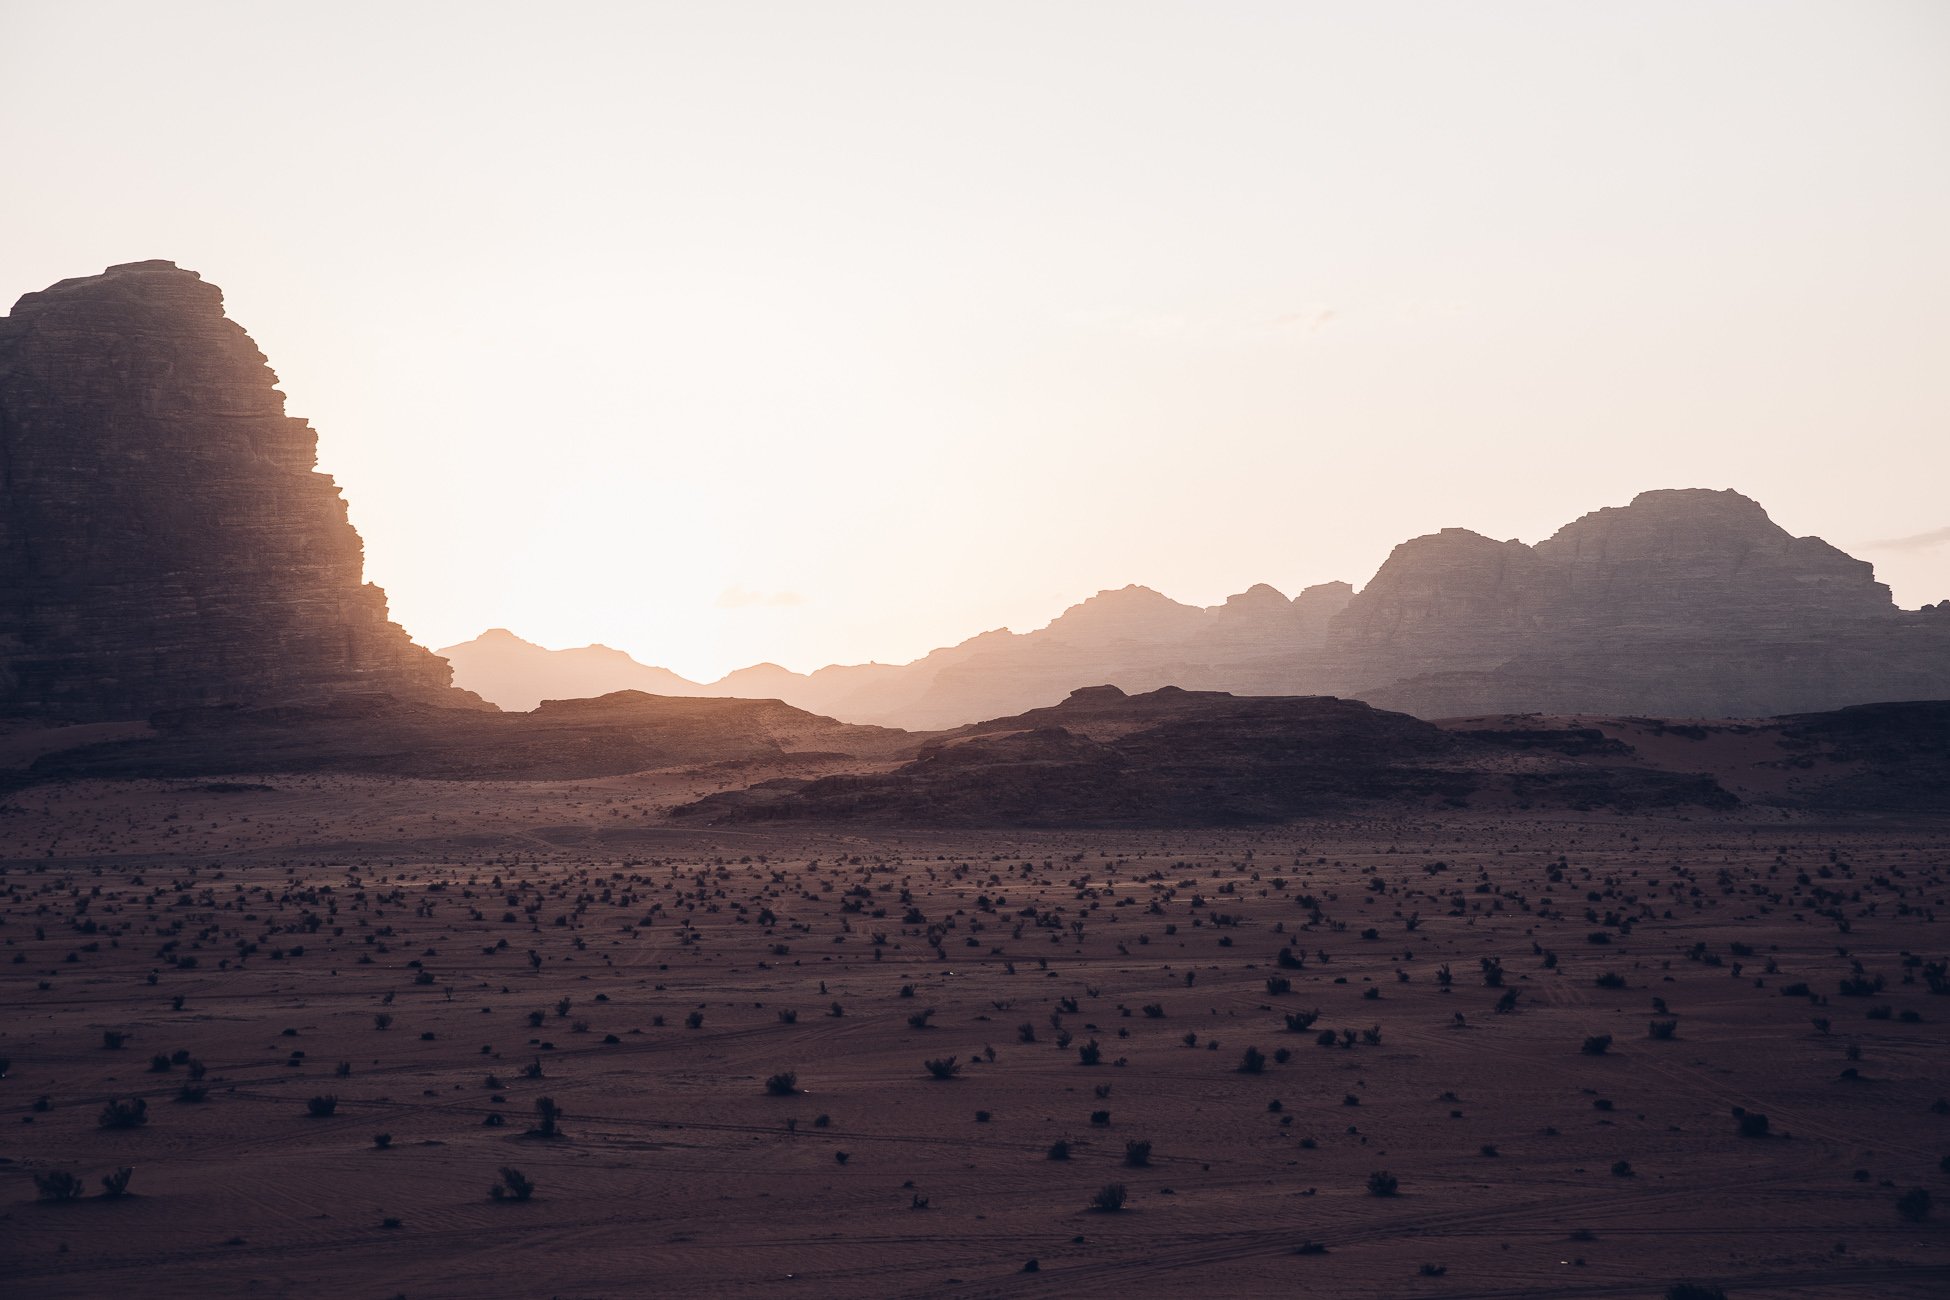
(438, 957)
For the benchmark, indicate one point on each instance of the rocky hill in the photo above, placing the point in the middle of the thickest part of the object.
(165, 537)
(1174, 757)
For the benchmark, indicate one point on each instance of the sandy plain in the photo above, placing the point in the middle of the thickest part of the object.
(258, 929)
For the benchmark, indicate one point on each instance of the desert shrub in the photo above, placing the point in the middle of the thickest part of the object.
(117, 1183)
(1253, 1062)
(943, 1067)
(1611, 979)
(919, 1019)
(1299, 1022)
(514, 1185)
(1914, 1204)
(58, 1185)
(321, 1106)
(1751, 1123)
(1090, 1053)
(1662, 1029)
(1025, 1032)
(114, 1039)
(382, 1020)
(133, 1113)
(1621, 1169)
(1488, 1149)
(1109, 1198)
(1694, 1291)
(784, 1084)
(1100, 1118)
(1433, 1270)
(382, 1141)
(1154, 1011)
(694, 1020)
(1383, 1183)
(788, 1016)
(1596, 1045)
(1059, 1150)
(1137, 1154)
(1277, 985)
(548, 1117)
(192, 1093)
(159, 1064)
(1372, 1035)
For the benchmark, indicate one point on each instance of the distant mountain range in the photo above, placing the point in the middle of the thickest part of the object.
(1685, 603)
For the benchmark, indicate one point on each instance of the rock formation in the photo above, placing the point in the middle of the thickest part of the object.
(165, 539)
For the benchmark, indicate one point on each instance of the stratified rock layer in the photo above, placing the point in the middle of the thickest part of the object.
(165, 539)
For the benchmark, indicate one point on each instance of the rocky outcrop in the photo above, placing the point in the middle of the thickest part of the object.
(1683, 603)
(165, 538)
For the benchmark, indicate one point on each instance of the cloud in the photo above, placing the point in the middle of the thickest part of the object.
(1914, 542)
(735, 597)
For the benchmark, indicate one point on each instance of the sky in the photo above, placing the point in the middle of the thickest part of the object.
(833, 332)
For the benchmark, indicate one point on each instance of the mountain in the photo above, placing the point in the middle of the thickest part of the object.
(1682, 603)
(612, 735)
(165, 537)
(1175, 757)
(518, 674)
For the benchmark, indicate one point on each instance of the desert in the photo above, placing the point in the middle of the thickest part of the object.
(1585, 1054)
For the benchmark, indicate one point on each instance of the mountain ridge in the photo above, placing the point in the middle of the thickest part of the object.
(1686, 601)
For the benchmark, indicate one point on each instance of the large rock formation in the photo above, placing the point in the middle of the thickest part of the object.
(165, 539)
(1688, 603)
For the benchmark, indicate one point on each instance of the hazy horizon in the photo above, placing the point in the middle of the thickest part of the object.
(724, 334)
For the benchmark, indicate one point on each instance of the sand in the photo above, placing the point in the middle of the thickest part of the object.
(461, 910)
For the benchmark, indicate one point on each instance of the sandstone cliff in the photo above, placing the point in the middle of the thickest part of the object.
(165, 539)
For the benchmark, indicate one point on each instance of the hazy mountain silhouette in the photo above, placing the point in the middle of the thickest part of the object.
(1685, 603)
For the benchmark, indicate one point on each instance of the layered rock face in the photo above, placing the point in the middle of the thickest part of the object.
(165, 539)
(1687, 602)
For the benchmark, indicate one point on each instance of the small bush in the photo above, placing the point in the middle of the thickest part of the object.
(514, 1185)
(382, 1141)
(1059, 1150)
(694, 1020)
(1383, 1183)
(1433, 1270)
(1090, 1053)
(919, 1019)
(1752, 1124)
(782, 1085)
(1137, 1154)
(117, 1184)
(1621, 1169)
(58, 1185)
(548, 1116)
(133, 1113)
(1109, 1198)
(1254, 1061)
(1663, 1030)
(321, 1106)
(1694, 1291)
(1596, 1045)
(1914, 1204)
(1611, 979)
(1299, 1022)
(943, 1067)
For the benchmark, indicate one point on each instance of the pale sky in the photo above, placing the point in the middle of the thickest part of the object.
(818, 332)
